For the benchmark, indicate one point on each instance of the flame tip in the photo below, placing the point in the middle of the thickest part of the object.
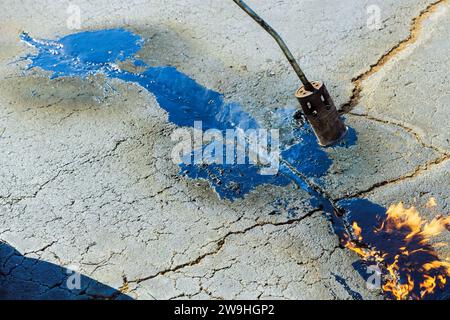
(417, 234)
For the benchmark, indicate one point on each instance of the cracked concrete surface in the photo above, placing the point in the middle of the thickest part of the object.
(87, 178)
(416, 80)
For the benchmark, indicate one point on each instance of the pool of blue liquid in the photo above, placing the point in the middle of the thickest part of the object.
(185, 100)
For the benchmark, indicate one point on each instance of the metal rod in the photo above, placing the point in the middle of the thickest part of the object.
(280, 41)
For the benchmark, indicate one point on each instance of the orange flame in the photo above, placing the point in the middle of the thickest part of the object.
(417, 235)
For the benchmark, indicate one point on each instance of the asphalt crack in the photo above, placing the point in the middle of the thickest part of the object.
(221, 243)
(414, 174)
(355, 99)
(405, 128)
(414, 35)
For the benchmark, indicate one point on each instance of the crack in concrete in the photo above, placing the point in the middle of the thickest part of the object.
(8, 200)
(13, 201)
(403, 127)
(414, 174)
(40, 250)
(415, 32)
(220, 244)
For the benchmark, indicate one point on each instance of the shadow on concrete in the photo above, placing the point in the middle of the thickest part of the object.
(23, 278)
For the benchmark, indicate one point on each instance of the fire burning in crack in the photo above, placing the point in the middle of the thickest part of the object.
(402, 247)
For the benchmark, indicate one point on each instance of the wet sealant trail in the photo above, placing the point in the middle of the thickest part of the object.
(303, 162)
(186, 101)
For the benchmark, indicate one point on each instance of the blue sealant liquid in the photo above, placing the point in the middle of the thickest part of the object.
(186, 101)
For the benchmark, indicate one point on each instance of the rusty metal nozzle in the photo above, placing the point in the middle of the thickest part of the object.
(320, 111)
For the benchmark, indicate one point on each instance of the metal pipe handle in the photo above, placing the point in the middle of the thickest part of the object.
(280, 42)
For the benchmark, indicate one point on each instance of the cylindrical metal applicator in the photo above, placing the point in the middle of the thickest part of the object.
(320, 111)
(317, 104)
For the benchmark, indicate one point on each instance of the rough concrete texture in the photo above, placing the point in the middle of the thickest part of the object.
(418, 81)
(87, 178)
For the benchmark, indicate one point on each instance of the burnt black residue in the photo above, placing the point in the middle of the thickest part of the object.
(355, 295)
